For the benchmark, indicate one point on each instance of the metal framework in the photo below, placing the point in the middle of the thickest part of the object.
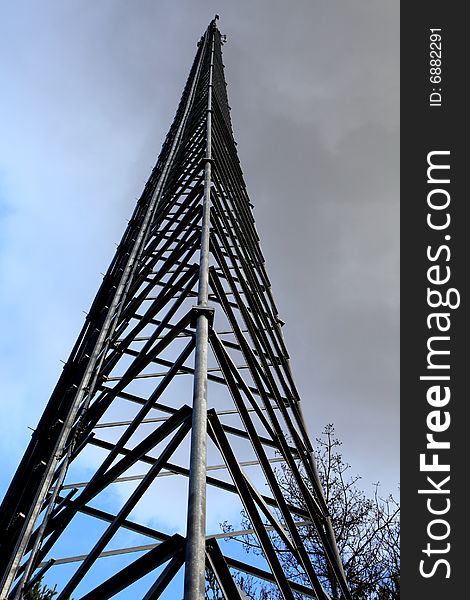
(180, 377)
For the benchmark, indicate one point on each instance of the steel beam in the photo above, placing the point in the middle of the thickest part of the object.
(194, 580)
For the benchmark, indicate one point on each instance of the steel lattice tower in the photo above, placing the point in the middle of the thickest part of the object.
(180, 374)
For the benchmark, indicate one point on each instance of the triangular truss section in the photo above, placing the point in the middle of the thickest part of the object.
(177, 400)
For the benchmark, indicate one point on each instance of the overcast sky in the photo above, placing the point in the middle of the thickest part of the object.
(88, 92)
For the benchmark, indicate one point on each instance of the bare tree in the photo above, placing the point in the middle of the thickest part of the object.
(40, 592)
(367, 530)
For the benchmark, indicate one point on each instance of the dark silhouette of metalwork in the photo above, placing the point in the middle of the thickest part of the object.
(180, 374)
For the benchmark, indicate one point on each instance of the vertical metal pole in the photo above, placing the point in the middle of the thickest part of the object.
(194, 577)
